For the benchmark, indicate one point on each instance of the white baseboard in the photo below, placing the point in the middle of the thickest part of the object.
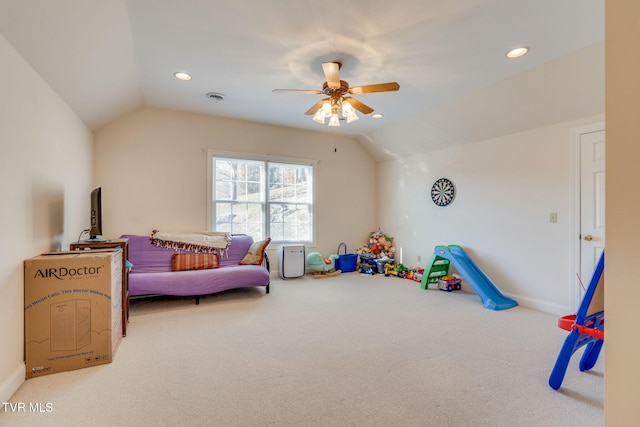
(12, 383)
(545, 307)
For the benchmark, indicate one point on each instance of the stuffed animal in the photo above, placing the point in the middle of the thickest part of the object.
(315, 262)
(380, 244)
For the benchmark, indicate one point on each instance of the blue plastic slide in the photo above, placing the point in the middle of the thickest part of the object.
(490, 295)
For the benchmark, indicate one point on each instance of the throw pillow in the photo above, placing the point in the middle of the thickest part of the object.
(255, 254)
(183, 262)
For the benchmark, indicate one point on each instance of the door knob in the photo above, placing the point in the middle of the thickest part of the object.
(588, 237)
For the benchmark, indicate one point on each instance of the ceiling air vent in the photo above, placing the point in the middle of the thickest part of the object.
(215, 96)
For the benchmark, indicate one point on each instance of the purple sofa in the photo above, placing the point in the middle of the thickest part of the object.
(151, 272)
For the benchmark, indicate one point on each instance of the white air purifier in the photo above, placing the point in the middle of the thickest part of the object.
(292, 261)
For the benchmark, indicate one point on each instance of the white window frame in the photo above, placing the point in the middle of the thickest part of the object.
(211, 154)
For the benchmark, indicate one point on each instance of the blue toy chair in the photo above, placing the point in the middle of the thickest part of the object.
(586, 328)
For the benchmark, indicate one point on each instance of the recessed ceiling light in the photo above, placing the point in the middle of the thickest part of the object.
(377, 116)
(182, 75)
(517, 52)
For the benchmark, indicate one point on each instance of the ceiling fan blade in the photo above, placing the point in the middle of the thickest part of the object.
(307, 91)
(363, 108)
(316, 107)
(380, 87)
(332, 74)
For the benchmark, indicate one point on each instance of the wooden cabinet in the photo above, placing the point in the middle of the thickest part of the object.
(115, 243)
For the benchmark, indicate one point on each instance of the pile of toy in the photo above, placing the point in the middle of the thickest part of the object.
(399, 270)
(376, 253)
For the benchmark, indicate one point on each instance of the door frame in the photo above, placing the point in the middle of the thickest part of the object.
(574, 287)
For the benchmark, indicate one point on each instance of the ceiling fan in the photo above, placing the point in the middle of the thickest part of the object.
(337, 101)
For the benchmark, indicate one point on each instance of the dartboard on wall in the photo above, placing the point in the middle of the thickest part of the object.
(443, 192)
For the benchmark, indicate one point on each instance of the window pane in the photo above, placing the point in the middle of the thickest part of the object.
(224, 170)
(237, 179)
(223, 190)
(239, 218)
(241, 187)
(253, 191)
(254, 172)
(290, 183)
(238, 191)
(277, 231)
(291, 222)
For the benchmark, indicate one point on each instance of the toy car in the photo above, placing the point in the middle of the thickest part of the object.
(390, 269)
(397, 270)
(449, 283)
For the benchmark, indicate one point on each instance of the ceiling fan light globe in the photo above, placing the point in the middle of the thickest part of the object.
(352, 117)
(347, 109)
(325, 110)
(334, 120)
(319, 117)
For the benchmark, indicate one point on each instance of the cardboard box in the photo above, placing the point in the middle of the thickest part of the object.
(72, 310)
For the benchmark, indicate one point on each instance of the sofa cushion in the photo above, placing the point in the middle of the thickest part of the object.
(147, 258)
(198, 282)
(255, 254)
(184, 262)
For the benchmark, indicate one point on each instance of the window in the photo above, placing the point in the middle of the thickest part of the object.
(262, 198)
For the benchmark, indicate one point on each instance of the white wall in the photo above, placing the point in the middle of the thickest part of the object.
(45, 177)
(505, 190)
(508, 149)
(152, 167)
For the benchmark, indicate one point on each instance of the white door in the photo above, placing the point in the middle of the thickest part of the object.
(592, 207)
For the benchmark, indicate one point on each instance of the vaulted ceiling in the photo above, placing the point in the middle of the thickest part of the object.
(106, 58)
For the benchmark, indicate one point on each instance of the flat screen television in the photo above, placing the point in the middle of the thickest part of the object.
(96, 214)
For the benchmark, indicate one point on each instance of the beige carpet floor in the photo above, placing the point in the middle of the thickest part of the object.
(351, 350)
